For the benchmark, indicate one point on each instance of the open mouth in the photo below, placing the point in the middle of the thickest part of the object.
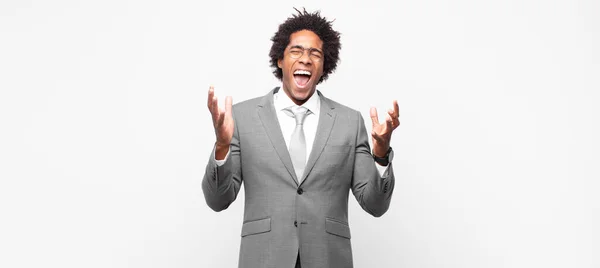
(301, 77)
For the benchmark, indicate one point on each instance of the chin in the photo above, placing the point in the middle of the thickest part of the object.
(302, 93)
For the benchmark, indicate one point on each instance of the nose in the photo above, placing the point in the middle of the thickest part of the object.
(305, 58)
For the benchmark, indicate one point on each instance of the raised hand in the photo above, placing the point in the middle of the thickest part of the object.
(222, 122)
(382, 133)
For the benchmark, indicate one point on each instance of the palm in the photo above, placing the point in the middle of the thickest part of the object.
(225, 133)
(222, 118)
(382, 132)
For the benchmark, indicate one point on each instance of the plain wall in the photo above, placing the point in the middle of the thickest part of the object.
(105, 132)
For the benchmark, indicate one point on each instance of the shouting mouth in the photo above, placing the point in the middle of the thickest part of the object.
(302, 77)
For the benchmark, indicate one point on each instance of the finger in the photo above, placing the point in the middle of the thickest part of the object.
(396, 123)
(396, 109)
(211, 93)
(374, 117)
(391, 113)
(228, 103)
(389, 122)
(214, 111)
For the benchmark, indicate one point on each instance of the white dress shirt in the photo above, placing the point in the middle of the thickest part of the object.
(281, 101)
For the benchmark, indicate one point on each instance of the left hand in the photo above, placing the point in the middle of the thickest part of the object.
(382, 133)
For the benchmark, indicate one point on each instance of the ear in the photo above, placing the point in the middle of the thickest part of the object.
(279, 63)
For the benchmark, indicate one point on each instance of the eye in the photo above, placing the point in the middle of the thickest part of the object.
(296, 52)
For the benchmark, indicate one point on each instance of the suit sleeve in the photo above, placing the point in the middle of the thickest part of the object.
(221, 183)
(372, 190)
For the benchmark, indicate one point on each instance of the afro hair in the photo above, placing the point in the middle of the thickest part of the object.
(312, 22)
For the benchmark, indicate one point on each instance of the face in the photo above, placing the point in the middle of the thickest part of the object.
(302, 65)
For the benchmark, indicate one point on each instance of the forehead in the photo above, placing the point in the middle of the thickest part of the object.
(306, 38)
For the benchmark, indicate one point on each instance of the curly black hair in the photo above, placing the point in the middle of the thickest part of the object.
(312, 22)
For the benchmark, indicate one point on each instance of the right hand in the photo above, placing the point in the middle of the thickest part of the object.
(222, 119)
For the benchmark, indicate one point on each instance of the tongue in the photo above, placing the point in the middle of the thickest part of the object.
(301, 80)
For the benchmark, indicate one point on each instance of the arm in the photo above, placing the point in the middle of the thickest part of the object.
(372, 191)
(222, 181)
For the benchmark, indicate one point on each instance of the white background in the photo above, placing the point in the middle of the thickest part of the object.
(105, 132)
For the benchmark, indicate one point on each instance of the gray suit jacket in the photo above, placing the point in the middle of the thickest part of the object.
(281, 216)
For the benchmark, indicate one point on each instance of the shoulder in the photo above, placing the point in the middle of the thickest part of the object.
(247, 104)
(251, 104)
(341, 109)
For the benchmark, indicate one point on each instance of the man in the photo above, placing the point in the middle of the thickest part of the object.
(298, 154)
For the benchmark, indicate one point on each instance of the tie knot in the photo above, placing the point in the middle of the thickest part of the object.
(298, 113)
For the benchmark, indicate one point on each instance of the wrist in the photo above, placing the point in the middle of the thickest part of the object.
(380, 150)
(221, 151)
(221, 145)
(385, 159)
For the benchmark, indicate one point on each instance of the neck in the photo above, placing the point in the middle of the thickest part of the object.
(295, 100)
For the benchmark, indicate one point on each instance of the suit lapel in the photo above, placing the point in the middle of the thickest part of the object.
(268, 116)
(326, 120)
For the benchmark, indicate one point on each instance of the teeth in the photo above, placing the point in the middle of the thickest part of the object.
(302, 72)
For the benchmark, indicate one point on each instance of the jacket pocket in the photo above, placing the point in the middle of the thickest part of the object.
(337, 227)
(256, 227)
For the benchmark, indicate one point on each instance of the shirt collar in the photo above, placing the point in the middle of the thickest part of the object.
(281, 101)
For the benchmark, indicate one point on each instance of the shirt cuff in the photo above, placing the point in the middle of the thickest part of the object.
(221, 162)
(381, 169)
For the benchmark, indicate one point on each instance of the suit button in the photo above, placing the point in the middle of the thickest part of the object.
(300, 191)
(296, 223)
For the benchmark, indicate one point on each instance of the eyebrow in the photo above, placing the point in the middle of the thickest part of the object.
(310, 48)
